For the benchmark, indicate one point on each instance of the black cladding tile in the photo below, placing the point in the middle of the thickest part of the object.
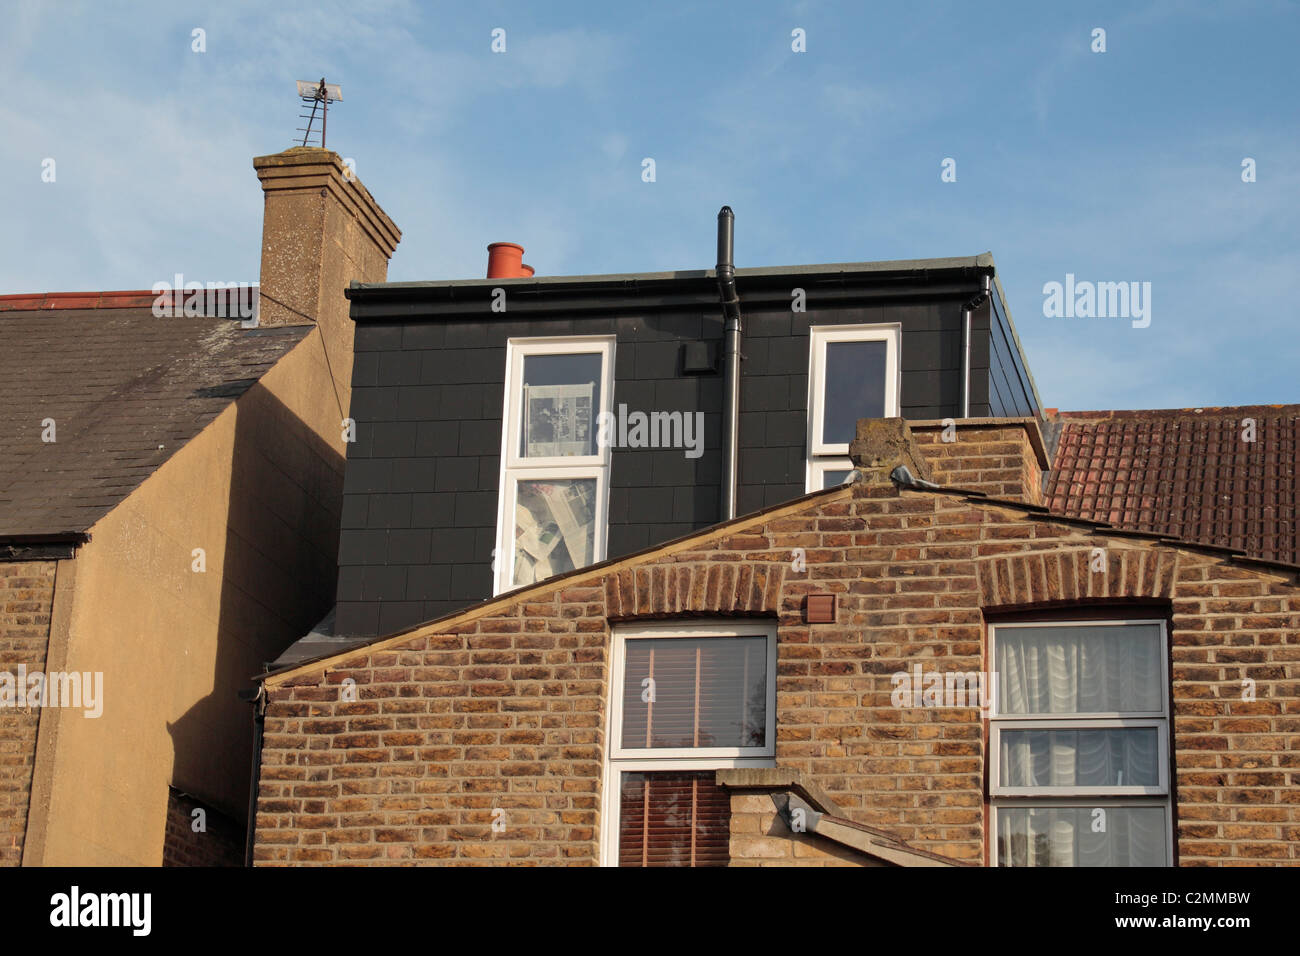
(779, 494)
(457, 474)
(787, 356)
(478, 438)
(619, 497)
(471, 335)
(383, 583)
(797, 393)
(476, 509)
(785, 428)
(763, 324)
(377, 337)
(657, 359)
(754, 353)
(423, 335)
(749, 498)
(624, 362)
(378, 404)
(626, 538)
(368, 475)
(630, 467)
(396, 615)
(410, 546)
(356, 619)
(485, 540)
(454, 546)
(695, 505)
(762, 393)
(650, 505)
(796, 463)
(435, 439)
(637, 396)
(461, 402)
(389, 511)
(363, 441)
(928, 351)
(399, 368)
(471, 582)
(436, 609)
(439, 367)
(433, 509)
(420, 403)
(677, 394)
(392, 440)
(493, 402)
(463, 366)
(350, 583)
(938, 387)
(415, 474)
(753, 428)
(363, 547)
(430, 582)
(489, 472)
(670, 467)
(365, 369)
(354, 511)
(673, 326)
(761, 466)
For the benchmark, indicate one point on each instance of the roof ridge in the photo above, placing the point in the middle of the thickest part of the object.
(40, 301)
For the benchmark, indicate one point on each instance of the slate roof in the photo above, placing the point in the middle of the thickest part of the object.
(126, 390)
(1186, 473)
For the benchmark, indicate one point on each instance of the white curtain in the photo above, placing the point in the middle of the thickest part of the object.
(1076, 670)
(1079, 836)
(1088, 757)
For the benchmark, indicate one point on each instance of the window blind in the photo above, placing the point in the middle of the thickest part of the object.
(673, 818)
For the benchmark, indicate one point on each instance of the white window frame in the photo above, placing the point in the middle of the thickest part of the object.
(1105, 796)
(621, 760)
(820, 336)
(819, 466)
(516, 467)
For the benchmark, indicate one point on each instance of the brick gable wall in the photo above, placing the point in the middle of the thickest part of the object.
(207, 839)
(503, 708)
(26, 603)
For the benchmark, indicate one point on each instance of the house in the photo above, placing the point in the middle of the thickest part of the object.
(913, 668)
(513, 427)
(898, 615)
(170, 489)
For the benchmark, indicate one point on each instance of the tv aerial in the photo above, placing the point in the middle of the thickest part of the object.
(318, 96)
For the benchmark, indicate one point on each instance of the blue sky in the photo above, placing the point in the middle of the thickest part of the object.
(1115, 166)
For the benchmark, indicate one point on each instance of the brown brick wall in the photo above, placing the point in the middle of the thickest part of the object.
(998, 459)
(506, 708)
(759, 837)
(26, 602)
(219, 843)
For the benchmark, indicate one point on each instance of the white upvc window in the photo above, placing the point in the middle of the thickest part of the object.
(853, 373)
(1079, 744)
(685, 701)
(828, 472)
(554, 493)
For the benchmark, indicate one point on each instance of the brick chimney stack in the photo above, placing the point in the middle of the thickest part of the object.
(321, 229)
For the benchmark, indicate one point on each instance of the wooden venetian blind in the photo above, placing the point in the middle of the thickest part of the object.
(707, 692)
(673, 818)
